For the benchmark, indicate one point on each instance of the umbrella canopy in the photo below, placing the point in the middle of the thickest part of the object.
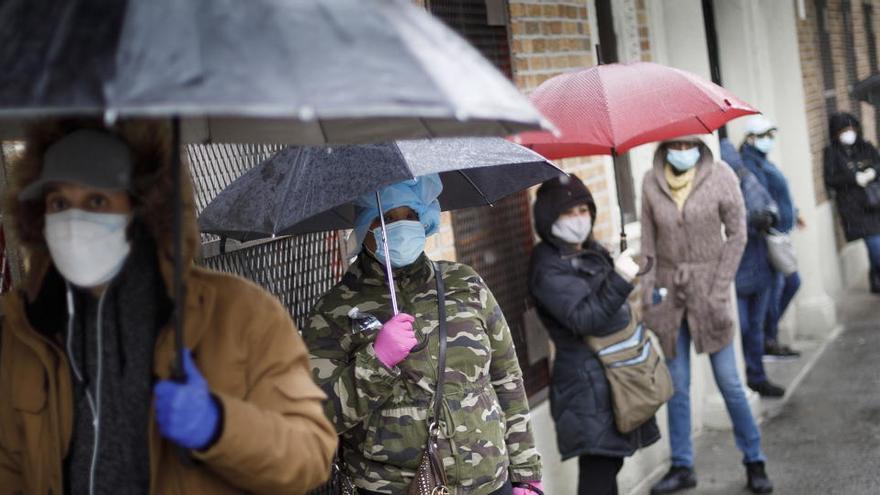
(868, 89)
(309, 189)
(609, 109)
(295, 72)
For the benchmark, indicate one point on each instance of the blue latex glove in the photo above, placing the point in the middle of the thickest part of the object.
(186, 412)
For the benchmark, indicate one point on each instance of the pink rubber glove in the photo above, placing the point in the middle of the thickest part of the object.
(526, 491)
(395, 340)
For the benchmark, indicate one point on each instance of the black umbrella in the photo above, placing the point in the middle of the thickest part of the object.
(868, 90)
(297, 72)
(309, 189)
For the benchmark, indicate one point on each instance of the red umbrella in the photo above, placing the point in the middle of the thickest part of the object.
(609, 109)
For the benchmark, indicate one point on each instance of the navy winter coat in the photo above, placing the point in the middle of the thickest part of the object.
(580, 294)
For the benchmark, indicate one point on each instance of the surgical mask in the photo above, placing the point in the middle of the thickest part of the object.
(573, 229)
(683, 160)
(848, 138)
(406, 242)
(765, 144)
(87, 248)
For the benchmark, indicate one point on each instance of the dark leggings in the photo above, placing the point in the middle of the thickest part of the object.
(504, 490)
(598, 474)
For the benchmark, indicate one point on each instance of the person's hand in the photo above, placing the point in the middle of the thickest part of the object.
(526, 491)
(625, 265)
(186, 412)
(801, 224)
(763, 220)
(864, 177)
(395, 340)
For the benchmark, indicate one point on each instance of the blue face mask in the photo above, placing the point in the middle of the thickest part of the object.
(406, 242)
(683, 160)
(765, 144)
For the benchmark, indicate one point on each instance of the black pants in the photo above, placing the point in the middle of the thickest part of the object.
(598, 474)
(504, 490)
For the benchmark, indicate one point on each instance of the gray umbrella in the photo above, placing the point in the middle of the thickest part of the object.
(295, 72)
(309, 189)
(261, 71)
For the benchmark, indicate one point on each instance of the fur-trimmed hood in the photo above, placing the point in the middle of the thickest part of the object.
(151, 193)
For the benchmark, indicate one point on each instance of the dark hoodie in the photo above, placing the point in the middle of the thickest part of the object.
(578, 293)
(841, 163)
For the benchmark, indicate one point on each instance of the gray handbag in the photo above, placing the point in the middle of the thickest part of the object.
(781, 252)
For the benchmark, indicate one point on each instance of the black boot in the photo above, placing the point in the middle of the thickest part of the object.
(767, 389)
(758, 480)
(678, 478)
(874, 278)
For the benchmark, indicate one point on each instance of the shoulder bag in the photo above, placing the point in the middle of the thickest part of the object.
(640, 382)
(430, 476)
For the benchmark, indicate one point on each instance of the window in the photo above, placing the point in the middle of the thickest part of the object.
(825, 55)
(850, 46)
(497, 241)
(609, 54)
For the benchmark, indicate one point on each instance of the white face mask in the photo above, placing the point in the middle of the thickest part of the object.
(848, 138)
(88, 248)
(574, 229)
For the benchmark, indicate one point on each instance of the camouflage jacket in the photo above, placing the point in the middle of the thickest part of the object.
(382, 414)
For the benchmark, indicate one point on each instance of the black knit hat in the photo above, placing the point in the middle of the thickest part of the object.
(554, 197)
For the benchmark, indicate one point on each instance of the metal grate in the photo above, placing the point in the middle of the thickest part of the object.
(469, 19)
(298, 270)
(497, 243)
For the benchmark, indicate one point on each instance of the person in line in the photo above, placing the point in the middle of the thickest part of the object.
(759, 141)
(687, 200)
(852, 164)
(381, 378)
(89, 333)
(581, 291)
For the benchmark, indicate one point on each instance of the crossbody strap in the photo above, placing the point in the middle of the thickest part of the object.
(441, 365)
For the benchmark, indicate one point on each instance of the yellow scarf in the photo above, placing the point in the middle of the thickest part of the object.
(680, 185)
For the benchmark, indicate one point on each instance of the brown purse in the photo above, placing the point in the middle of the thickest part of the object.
(430, 476)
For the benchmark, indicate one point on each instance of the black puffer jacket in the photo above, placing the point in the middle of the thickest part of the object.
(841, 164)
(578, 293)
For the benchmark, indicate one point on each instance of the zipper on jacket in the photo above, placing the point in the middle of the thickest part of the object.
(94, 403)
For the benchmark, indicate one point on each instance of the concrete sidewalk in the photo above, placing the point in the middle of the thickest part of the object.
(824, 436)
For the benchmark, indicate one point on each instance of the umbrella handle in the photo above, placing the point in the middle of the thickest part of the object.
(388, 269)
(649, 265)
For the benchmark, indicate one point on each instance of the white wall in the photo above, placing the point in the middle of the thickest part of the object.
(760, 62)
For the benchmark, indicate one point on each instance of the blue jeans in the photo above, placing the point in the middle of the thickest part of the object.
(784, 289)
(873, 243)
(745, 430)
(752, 317)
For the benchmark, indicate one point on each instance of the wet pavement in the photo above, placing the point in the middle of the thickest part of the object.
(824, 436)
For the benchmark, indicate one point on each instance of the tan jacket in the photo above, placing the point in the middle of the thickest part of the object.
(697, 250)
(275, 437)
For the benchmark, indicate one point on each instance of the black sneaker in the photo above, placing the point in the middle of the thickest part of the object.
(678, 478)
(774, 351)
(758, 480)
(767, 389)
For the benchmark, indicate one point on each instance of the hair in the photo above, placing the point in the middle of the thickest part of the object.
(151, 185)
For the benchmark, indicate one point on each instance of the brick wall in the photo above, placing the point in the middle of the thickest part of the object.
(552, 37)
(811, 63)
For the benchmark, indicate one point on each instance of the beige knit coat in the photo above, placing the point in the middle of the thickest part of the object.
(696, 253)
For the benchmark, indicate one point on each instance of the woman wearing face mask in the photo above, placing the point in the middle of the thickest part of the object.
(89, 333)
(687, 200)
(581, 291)
(763, 294)
(381, 378)
(852, 164)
